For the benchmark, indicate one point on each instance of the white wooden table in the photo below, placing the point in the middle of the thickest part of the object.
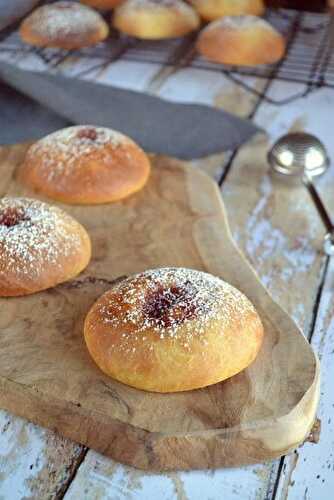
(281, 234)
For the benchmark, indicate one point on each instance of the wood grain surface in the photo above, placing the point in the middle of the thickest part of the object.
(48, 377)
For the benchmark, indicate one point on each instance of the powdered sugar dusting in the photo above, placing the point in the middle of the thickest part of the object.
(178, 5)
(238, 22)
(64, 19)
(60, 151)
(173, 302)
(35, 239)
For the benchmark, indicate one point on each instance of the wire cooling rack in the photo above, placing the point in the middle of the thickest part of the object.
(309, 58)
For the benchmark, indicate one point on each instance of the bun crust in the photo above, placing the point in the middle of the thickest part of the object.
(155, 19)
(214, 9)
(102, 4)
(40, 246)
(64, 25)
(172, 329)
(85, 165)
(241, 41)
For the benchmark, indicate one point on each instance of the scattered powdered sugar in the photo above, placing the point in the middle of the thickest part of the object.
(60, 151)
(64, 19)
(173, 300)
(238, 22)
(180, 6)
(33, 235)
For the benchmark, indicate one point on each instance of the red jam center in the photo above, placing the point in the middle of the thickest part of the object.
(10, 217)
(169, 306)
(87, 133)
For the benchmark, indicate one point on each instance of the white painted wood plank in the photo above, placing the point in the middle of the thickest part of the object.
(288, 256)
(276, 225)
(34, 462)
(211, 88)
(125, 74)
(309, 474)
(102, 478)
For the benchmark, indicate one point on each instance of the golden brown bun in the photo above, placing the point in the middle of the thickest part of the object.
(40, 246)
(154, 19)
(102, 4)
(172, 329)
(64, 25)
(242, 41)
(214, 9)
(85, 165)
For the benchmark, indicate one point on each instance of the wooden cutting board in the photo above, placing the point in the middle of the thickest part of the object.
(47, 376)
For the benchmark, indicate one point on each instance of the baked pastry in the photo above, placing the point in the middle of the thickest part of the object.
(172, 329)
(64, 25)
(102, 4)
(155, 19)
(214, 9)
(85, 165)
(241, 41)
(40, 246)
